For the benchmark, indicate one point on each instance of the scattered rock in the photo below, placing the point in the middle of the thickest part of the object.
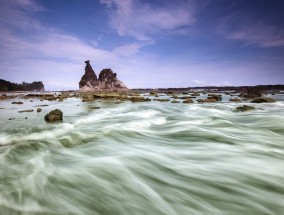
(195, 94)
(41, 105)
(253, 92)
(206, 100)
(95, 108)
(245, 108)
(24, 111)
(216, 97)
(175, 101)
(38, 110)
(185, 97)
(188, 101)
(139, 99)
(17, 103)
(235, 100)
(263, 100)
(11, 118)
(162, 100)
(54, 116)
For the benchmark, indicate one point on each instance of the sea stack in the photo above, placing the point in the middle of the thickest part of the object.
(107, 80)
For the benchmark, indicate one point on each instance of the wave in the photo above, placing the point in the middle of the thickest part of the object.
(151, 158)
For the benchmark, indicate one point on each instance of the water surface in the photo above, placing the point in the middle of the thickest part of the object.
(142, 158)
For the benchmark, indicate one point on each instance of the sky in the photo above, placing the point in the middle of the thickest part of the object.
(148, 43)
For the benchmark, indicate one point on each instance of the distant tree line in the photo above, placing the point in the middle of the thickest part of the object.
(24, 86)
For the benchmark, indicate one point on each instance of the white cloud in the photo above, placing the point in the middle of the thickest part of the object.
(141, 20)
(198, 82)
(226, 83)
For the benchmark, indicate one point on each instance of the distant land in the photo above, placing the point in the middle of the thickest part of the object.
(9, 86)
(278, 87)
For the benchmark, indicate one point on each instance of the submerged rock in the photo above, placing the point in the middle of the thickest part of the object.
(263, 100)
(17, 103)
(38, 110)
(54, 116)
(235, 100)
(206, 100)
(162, 100)
(245, 108)
(175, 101)
(24, 111)
(93, 108)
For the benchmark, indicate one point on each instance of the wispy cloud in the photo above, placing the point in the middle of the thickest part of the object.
(141, 20)
(259, 34)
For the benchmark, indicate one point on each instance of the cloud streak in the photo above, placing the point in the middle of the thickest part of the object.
(260, 35)
(141, 20)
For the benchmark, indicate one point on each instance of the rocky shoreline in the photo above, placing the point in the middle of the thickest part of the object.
(133, 96)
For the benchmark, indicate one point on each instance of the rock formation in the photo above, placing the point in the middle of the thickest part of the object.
(107, 80)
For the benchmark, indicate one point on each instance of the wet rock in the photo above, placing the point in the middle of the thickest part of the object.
(263, 100)
(253, 92)
(175, 101)
(38, 110)
(245, 108)
(206, 100)
(93, 108)
(139, 99)
(24, 111)
(235, 100)
(162, 100)
(54, 116)
(11, 118)
(41, 105)
(188, 101)
(185, 97)
(195, 94)
(216, 97)
(17, 103)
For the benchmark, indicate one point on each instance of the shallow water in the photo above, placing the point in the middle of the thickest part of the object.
(142, 158)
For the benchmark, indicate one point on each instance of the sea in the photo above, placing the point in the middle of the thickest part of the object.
(144, 158)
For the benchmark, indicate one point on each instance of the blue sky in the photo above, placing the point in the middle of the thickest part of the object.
(158, 43)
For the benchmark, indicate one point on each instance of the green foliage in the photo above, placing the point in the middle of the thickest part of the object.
(24, 86)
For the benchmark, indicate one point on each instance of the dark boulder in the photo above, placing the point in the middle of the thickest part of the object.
(54, 116)
(263, 100)
(188, 101)
(245, 108)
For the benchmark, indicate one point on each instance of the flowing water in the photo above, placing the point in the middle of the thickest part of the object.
(149, 158)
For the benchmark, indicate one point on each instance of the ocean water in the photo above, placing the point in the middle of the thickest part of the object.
(151, 158)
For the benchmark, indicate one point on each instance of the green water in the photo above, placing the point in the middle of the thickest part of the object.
(142, 158)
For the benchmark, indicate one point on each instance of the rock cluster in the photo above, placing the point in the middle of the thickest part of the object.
(107, 80)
